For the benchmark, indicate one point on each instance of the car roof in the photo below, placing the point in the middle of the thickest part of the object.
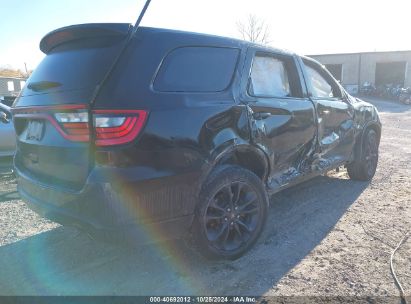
(185, 36)
(173, 37)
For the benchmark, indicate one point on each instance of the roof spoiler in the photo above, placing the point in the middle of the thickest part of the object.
(83, 31)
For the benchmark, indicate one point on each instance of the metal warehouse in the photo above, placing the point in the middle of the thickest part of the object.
(378, 68)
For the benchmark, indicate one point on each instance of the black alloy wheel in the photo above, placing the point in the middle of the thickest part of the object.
(365, 163)
(371, 153)
(232, 213)
(232, 216)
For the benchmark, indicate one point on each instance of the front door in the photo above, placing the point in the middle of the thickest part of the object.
(335, 115)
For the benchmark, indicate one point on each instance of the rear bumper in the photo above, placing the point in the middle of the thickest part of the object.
(145, 211)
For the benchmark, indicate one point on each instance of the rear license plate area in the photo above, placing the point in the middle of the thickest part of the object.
(35, 130)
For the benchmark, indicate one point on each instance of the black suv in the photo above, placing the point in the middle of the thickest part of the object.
(187, 135)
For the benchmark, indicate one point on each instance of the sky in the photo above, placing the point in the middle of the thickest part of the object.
(306, 27)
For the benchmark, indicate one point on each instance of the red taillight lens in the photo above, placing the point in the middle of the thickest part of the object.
(111, 127)
(74, 124)
(117, 127)
(71, 120)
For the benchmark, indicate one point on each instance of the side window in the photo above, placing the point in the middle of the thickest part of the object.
(197, 69)
(273, 77)
(322, 85)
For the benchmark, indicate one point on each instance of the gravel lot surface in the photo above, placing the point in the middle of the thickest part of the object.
(327, 237)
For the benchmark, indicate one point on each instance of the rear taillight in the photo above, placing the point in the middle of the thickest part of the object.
(71, 121)
(74, 125)
(111, 127)
(117, 127)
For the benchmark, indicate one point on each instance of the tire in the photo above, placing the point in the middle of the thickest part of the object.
(231, 213)
(365, 163)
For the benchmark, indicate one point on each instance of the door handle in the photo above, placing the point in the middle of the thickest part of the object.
(325, 112)
(261, 115)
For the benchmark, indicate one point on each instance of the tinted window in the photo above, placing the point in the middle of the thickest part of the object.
(322, 84)
(76, 65)
(197, 69)
(274, 77)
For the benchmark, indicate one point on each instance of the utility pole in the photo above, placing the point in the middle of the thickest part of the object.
(25, 67)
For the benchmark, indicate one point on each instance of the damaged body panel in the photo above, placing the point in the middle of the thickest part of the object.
(335, 114)
(306, 123)
(285, 131)
(282, 118)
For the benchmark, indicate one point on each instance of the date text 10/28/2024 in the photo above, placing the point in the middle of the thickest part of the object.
(203, 299)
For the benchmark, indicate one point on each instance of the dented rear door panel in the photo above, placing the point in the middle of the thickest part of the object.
(283, 127)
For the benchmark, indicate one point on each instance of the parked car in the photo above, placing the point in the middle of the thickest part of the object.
(7, 134)
(188, 135)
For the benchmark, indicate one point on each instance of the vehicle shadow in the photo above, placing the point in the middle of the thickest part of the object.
(64, 261)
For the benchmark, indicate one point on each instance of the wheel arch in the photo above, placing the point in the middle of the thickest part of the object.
(243, 155)
(373, 125)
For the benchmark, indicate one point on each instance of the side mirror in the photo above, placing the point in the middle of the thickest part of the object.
(4, 117)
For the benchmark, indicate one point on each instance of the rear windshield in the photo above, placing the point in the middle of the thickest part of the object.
(72, 66)
(197, 69)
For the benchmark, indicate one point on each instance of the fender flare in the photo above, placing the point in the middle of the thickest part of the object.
(228, 150)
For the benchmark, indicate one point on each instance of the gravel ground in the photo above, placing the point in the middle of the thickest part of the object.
(327, 237)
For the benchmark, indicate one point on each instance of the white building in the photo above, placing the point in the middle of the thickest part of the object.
(378, 68)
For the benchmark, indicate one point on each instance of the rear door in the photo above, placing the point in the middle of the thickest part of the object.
(282, 117)
(335, 113)
(51, 116)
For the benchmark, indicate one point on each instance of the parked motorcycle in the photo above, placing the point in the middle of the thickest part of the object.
(387, 91)
(367, 89)
(405, 96)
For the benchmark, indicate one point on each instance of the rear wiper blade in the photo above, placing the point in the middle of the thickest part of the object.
(43, 85)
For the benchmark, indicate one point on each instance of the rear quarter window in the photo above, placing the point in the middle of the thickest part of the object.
(197, 69)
